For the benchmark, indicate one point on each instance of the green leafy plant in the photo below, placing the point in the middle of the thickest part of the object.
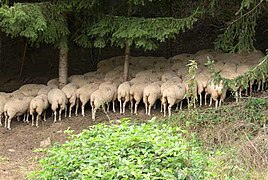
(126, 151)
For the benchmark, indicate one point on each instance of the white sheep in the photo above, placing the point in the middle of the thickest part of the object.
(31, 89)
(202, 82)
(111, 95)
(151, 93)
(82, 94)
(44, 90)
(69, 89)
(171, 95)
(57, 98)
(123, 95)
(16, 107)
(136, 93)
(216, 91)
(4, 97)
(98, 99)
(53, 83)
(39, 105)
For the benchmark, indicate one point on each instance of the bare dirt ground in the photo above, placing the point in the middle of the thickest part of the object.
(16, 150)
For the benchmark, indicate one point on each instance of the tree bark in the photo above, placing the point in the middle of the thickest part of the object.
(126, 65)
(63, 67)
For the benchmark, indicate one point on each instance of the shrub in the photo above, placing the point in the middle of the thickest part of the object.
(126, 151)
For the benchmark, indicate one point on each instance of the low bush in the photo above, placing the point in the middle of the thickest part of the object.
(126, 151)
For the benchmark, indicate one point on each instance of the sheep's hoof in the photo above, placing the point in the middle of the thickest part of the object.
(83, 115)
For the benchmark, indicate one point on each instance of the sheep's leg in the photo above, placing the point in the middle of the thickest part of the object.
(65, 112)
(240, 92)
(236, 96)
(220, 102)
(8, 123)
(194, 103)
(188, 103)
(55, 116)
(206, 99)
(149, 109)
(37, 118)
(210, 101)
(131, 106)
(120, 106)
(169, 110)
(94, 110)
(161, 107)
(181, 105)
(165, 107)
(83, 110)
(70, 110)
(60, 111)
(259, 86)
(177, 107)
(45, 116)
(146, 108)
(154, 105)
(108, 107)
(1, 120)
(216, 103)
(106, 113)
(24, 117)
(114, 107)
(200, 103)
(27, 118)
(32, 120)
(6, 117)
(246, 93)
(124, 107)
(76, 107)
(136, 108)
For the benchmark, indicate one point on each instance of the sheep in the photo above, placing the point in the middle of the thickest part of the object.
(111, 95)
(136, 93)
(11, 109)
(173, 94)
(57, 98)
(44, 90)
(79, 80)
(54, 83)
(215, 91)
(202, 82)
(31, 89)
(38, 104)
(101, 97)
(151, 93)
(69, 89)
(123, 95)
(83, 94)
(4, 97)
(165, 85)
(168, 75)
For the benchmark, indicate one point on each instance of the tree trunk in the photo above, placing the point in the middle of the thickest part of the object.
(126, 65)
(63, 67)
(1, 51)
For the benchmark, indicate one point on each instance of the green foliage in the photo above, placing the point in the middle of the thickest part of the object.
(22, 20)
(254, 110)
(140, 32)
(259, 72)
(239, 34)
(191, 82)
(126, 151)
(38, 22)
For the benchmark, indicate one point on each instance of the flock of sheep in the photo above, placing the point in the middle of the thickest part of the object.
(151, 79)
